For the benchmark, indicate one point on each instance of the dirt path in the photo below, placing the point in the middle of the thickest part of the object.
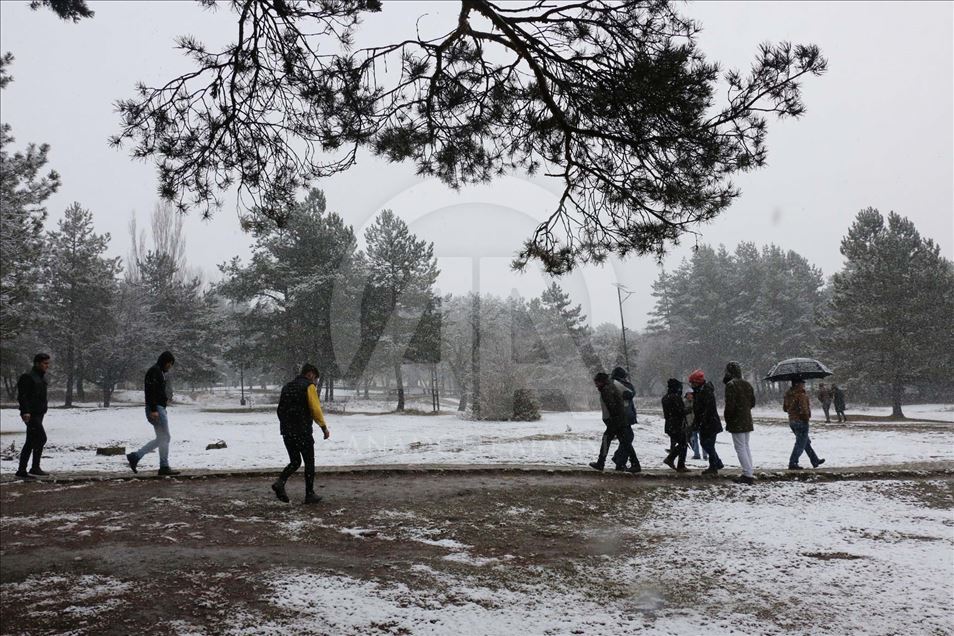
(122, 556)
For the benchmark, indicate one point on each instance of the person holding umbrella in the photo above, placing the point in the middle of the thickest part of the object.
(799, 411)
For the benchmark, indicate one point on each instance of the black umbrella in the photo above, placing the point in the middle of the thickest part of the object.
(798, 369)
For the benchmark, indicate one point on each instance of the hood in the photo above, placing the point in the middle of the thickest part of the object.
(674, 385)
(619, 373)
(733, 371)
(164, 357)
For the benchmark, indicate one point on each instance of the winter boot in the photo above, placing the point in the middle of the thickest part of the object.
(25, 476)
(596, 466)
(168, 472)
(711, 472)
(681, 468)
(312, 498)
(635, 468)
(279, 489)
(670, 462)
(745, 479)
(133, 460)
(820, 462)
(39, 472)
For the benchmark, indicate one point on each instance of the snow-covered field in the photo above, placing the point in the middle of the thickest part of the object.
(360, 439)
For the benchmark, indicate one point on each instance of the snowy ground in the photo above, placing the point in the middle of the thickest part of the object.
(361, 439)
(475, 554)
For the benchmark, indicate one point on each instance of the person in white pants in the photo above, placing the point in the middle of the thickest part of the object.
(739, 402)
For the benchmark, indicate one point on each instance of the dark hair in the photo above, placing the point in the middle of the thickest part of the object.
(40, 357)
(166, 357)
(309, 368)
(600, 377)
(619, 373)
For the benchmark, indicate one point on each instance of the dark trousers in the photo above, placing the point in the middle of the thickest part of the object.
(826, 408)
(841, 414)
(707, 441)
(300, 447)
(679, 447)
(626, 451)
(35, 441)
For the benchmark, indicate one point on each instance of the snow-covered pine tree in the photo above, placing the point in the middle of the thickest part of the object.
(891, 323)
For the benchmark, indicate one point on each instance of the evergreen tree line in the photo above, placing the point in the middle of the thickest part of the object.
(884, 324)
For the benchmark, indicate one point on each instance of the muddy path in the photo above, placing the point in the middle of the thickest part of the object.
(131, 555)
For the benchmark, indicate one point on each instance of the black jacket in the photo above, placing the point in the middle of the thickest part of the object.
(294, 416)
(674, 410)
(31, 393)
(614, 409)
(628, 393)
(705, 411)
(155, 388)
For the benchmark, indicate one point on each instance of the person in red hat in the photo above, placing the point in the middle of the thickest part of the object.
(707, 420)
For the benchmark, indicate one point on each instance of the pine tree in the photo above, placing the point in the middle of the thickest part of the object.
(891, 322)
(78, 283)
(401, 274)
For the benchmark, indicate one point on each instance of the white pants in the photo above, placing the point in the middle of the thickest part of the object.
(741, 443)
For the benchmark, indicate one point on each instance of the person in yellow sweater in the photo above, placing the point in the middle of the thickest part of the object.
(298, 407)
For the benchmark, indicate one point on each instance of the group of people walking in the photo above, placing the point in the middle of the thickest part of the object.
(696, 413)
(298, 408)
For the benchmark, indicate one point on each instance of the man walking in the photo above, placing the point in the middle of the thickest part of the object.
(824, 396)
(157, 399)
(677, 428)
(614, 417)
(298, 407)
(839, 396)
(739, 402)
(31, 395)
(626, 451)
(706, 414)
(799, 411)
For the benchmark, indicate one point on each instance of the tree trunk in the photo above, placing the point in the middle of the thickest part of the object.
(11, 388)
(70, 373)
(475, 357)
(80, 387)
(367, 383)
(897, 392)
(107, 395)
(399, 379)
(462, 405)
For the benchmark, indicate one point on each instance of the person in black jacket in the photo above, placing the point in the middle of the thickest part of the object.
(31, 394)
(707, 420)
(298, 407)
(626, 452)
(614, 417)
(157, 398)
(677, 428)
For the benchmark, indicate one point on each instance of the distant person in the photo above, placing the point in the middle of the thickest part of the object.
(839, 397)
(693, 429)
(739, 402)
(798, 407)
(31, 396)
(706, 414)
(614, 418)
(298, 407)
(825, 396)
(677, 426)
(157, 395)
(626, 451)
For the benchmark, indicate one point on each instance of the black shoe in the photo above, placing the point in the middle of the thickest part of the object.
(133, 460)
(24, 475)
(168, 471)
(669, 461)
(696, 457)
(618, 467)
(279, 490)
(795, 468)
(744, 479)
(711, 471)
(820, 462)
(596, 466)
(312, 498)
(634, 469)
(38, 472)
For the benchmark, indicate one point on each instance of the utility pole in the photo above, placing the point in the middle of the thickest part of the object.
(622, 323)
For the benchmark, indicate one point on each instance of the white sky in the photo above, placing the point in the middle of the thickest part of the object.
(879, 131)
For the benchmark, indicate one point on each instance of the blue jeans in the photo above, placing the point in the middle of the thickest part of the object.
(802, 443)
(708, 441)
(694, 443)
(162, 438)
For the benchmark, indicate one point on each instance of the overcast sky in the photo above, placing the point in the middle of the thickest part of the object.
(879, 131)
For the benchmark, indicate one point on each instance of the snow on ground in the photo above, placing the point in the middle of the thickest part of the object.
(938, 412)
(359, 439)
(787, 559)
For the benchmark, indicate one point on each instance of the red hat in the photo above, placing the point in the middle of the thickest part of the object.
(697, 377)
